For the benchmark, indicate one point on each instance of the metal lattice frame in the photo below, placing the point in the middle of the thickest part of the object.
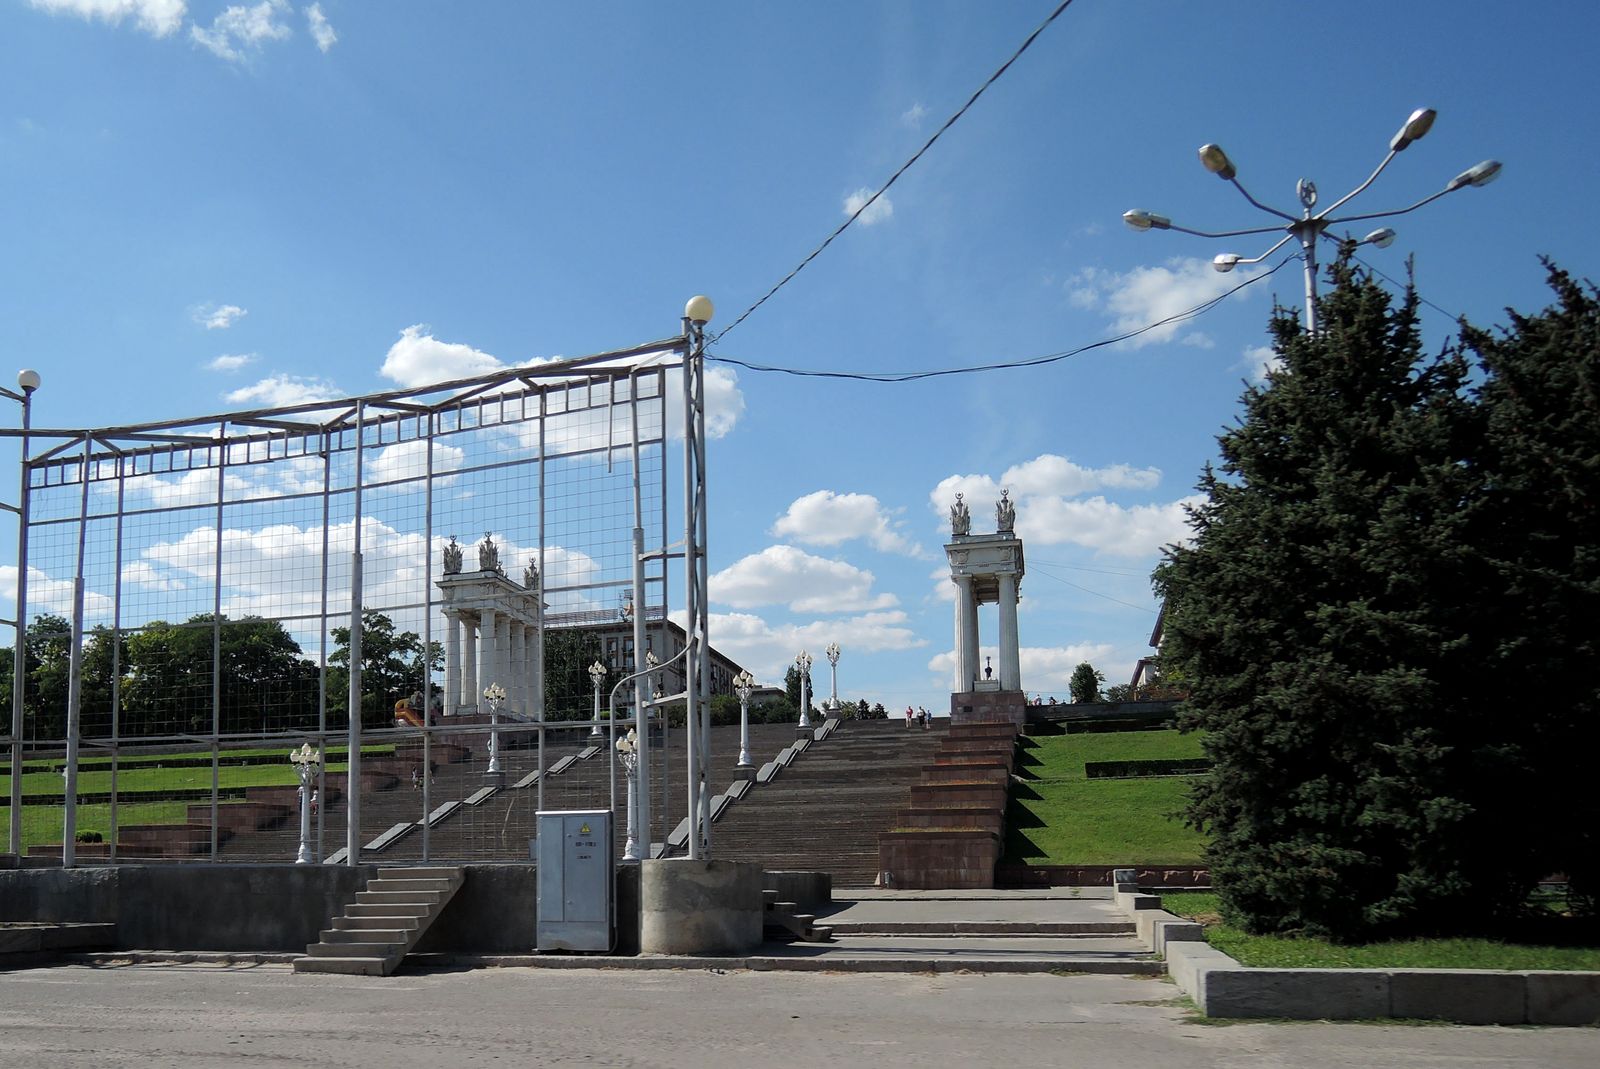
(239, 535)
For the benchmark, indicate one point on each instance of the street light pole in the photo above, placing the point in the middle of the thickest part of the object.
(744, 685)
(494, 694)
(833, 666)
(306, 762)
(803, 662)
(27, 381)
(1311, 225)
(597, 673)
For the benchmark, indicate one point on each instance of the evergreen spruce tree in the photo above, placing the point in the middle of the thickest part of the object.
(1316, 618)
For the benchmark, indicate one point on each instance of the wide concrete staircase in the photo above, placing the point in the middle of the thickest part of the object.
(825, 811)
(378, 930)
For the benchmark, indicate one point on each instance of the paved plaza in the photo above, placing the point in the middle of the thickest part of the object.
(187, 1016)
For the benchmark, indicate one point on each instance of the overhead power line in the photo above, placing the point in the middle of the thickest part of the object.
(903, 169)
(1036, 361)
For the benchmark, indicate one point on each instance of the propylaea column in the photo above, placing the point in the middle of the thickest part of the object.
(452, 663)
(469, 664)
(969, 631)
(1010, 655)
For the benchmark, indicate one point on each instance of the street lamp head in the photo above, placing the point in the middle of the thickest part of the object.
(1420, 122)
(597, 672)
(699, 310)
(1481, 175)
(28, 380)
(1139, 219)
(1216, 161)
(1383, 237)
(1223, 262)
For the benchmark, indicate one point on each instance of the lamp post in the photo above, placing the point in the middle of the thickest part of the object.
(494, 694)
(833, 667)
(306, 762)
(803, 662)
(744, 684)
(628, 754)
(597, 672)
(27, 382)
(1310, 225)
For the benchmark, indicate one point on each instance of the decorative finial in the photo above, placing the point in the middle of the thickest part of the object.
(960, 518)
(488, 554)
(1005, 513)
(452, 557)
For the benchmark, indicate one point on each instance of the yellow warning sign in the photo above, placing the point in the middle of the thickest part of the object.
(584, 830)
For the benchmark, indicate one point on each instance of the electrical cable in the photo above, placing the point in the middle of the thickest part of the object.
(1050, 358)
(896, 176)
(1096, 593)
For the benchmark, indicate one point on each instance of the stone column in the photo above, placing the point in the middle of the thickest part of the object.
(488, 662)
(1010, 655)
(957, 684)
(516, 685)
(452, 663)
(536, 672)
(968, 601)
(469, 661)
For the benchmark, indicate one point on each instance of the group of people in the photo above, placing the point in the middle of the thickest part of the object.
(920, 715)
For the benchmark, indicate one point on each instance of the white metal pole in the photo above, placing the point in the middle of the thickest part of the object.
(352, 840)
(19, 655)
(69, 834)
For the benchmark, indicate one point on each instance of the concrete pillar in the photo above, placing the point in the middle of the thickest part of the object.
(957, 684)
(536, 672)
(469, 685)
(1010, 654)
(967, 599)
(517, 684)
(488, 659)
(452, 663)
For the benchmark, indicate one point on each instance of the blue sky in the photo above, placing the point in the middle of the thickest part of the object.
(206, 207)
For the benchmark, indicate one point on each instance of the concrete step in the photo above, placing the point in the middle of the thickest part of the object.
(378, 923)
(395, 936)
(388, 884)
(346, 966)
(354, 950)
(387, 909)
(411, 898)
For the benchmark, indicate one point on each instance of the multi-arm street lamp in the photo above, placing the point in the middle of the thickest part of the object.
(494, 694)
(1309, 226)
(307, 762)
(744, 685)
(597, 673)
(628, 754)
(803, 662)
(832, 653)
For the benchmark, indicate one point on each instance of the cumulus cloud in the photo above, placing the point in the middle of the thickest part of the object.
(46, 594)
(1045, 669)
(241, 28)
(914, 115)
(159, 18)
(321, 32)
(420, 359)
(1147, 295)
(784, 575)
(825, 518)
(766, 649)
(279, 391)
(219, 316)
(881, 209)
(409, 460)
(1258, 361)
(231, 361)
(1051, 509)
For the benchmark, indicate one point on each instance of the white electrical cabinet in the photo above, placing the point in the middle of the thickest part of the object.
(576, 881)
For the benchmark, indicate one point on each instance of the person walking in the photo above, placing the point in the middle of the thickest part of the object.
(908, 718)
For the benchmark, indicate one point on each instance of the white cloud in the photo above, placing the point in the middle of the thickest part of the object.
(219, 316)
(321, 32)
(914, 115)
(279, 391)
(240, 27)
(143, 574)
(231, 361)
(420, 359)
(1146, 295)
(1052, 474)
(409, 460)
(825, 518)
(156, 17)
(767, 649)
(881, 208)
(724, 401)
(1258, 360)
(47, 595)
(784, 575)
(1045, 669)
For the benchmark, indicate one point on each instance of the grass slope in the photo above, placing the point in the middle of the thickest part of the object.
(1057, 816)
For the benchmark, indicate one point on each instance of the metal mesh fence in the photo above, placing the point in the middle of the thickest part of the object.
(449, 541)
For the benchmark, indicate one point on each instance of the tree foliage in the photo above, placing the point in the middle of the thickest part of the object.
(1355, 618)
(1085, 683)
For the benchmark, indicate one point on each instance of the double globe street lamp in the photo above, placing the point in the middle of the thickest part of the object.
(1311, 225)
(744, 685)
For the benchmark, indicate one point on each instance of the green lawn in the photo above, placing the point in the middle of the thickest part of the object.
(1282, 952)
(42, 823)
(1058, 816)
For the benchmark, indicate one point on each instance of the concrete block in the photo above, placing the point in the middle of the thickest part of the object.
(1466, 996)
(740, 787)
(765, 773)
(481, 795)
(392, 836)
(801, 745)
(1132, 902)
(1188, 964)
(1569, 998)
(699, 907)
(444, 811)
(785, 757)
(25, 940)
(1299, 994)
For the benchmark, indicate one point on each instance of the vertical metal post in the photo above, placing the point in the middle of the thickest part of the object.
(216, 637)
(353, 760)
(116, 661)
(641, 684)
(19, 655)
(691, 614)
(1308, 242)
(539, 606)
(69, 832)
(666, 600)
(322, 660)
(427, 642)
(702, 574)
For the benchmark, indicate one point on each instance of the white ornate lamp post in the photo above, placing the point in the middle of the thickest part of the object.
(306, 762)
(744, 684)
(833, 667)
(1310, 225)
(597, 672)
(494, 694)
(803, 662)
(628, 754)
